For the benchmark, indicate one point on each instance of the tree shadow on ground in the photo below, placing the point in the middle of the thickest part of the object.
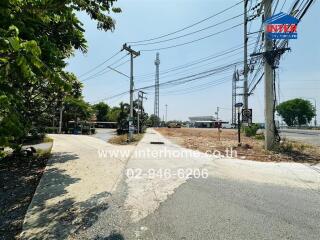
(112, 236)
(19, 178)
(62, 217)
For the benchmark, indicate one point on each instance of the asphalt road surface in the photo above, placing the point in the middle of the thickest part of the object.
(237, 199)
(307, 136)
(104, 133)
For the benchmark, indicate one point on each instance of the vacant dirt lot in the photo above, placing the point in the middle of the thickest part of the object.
(252, 148)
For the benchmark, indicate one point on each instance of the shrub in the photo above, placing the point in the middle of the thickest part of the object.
(251, 130)
(285, 147)
(259, 136)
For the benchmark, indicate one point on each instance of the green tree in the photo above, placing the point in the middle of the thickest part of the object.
(296, 111)
(102, 111)
(123, 115)
(153, 121)
(76, 109)
(36, 38)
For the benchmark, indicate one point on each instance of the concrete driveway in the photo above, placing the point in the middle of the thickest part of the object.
(82, 196)
(74, 188)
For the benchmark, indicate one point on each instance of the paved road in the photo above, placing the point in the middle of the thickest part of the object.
(307, 136)
(104, 133)
(237, 200)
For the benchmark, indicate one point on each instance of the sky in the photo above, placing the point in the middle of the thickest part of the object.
(299, 69)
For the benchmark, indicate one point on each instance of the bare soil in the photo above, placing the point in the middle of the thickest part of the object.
(251, 148)
(19, 178)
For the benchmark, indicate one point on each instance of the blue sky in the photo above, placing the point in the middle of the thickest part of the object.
(299, 71)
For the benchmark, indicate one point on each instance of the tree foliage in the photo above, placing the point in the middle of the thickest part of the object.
(36, 38)
(102, 111)
(153, 121)
(296, 111)
(76, 109)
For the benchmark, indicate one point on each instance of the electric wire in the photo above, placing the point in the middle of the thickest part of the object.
(99, 65)
(190, 26)
(106, 69)
(193, 41)
(191, 33)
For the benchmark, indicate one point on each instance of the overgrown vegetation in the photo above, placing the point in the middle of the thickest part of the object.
(123, 139)
(36, 38)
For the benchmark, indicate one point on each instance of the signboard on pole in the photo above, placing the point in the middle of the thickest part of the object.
(247, 116)
(131, 127)
(238, 105)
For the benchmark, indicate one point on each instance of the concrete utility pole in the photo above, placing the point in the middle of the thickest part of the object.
(138, 113)
(217, 113)
(268, 86)
(166, 112)
(140, 107)
(245, 60)
(315, 106)
(234, 98)
(156, 97)
(132, 55)
(315, 117)
(60, 120)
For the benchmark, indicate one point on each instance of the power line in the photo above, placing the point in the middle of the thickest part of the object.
(106, 69)
(197, 88)
(198, 61)
(187, 27)
(196, 40)
(190, 68)
(194, 76)
(181, 80)
(99, 65)
(191, 33)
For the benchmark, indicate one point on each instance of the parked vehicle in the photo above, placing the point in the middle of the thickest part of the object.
(174, 125)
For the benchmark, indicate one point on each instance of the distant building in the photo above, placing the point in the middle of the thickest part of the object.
(205, 122)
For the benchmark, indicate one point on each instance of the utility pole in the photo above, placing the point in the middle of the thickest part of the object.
(60, 120)
(217, 113)
(245, 60)
(315, 117)
(166, 112)
(234, 98)
(140, 107)
(315, 106)
(132, 55)
(138, 113)
(156, 97)
(268, 86)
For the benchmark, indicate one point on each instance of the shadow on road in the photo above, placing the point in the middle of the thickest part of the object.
(54, 215)
(112, 236)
